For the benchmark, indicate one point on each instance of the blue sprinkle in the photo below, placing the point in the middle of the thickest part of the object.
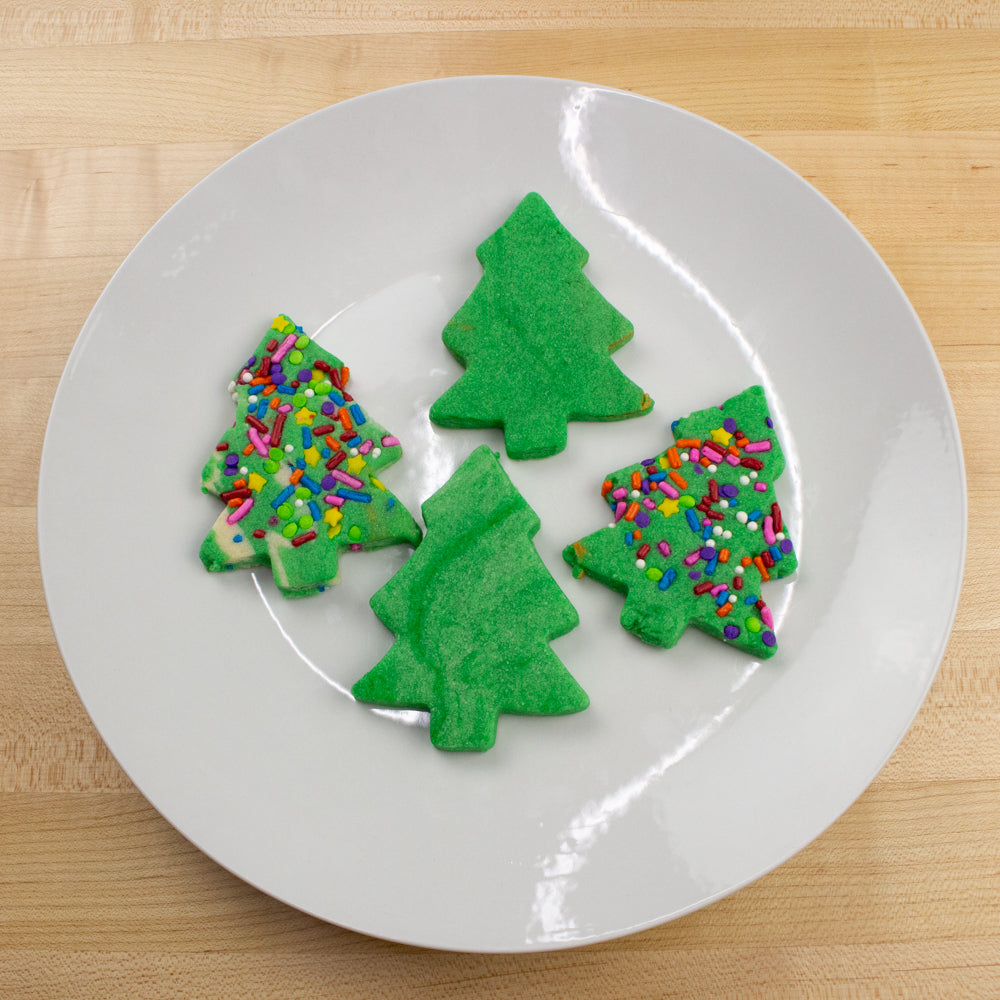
(775, 553)
(300, 463)
(706, 532)
(356, 415)
(667, 578)
(336, 397)
(657, 477)
(390, 503)
(307, 437)
(628, 537)
(353, 495)
(286, 389)
(282, 496)
(750, 600)
(722, 598)
(755, 515)
(692, 519)
(314, 510)
(712, 563)
(326, 453)
(354, 442)
(310, 484)
(237, 538)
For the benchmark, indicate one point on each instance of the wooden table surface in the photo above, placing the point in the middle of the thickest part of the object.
(110, 111)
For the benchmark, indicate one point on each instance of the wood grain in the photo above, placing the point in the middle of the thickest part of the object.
(110, 110)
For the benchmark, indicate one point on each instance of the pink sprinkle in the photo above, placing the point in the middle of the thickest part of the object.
(286, 345)
(620, 509)
(713, 453)
(648, 504)
(366, 446)
(691, 559)
(241, 511)
(285, 408)
(347, 479)
(760, 487)
(764, 445)
(695, 454)
(664, 548)
(732, 459)
(355, 547)
(766, 617)
(620, 493)
(718, 589)
(334, 501)
(256, 441)
(266, 438)
(769, 530)
(390, 442)
(665, 487)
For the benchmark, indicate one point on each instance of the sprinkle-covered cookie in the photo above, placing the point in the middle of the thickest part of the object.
(697, 530)
(298, 469)
(536, 338)
(473, 611)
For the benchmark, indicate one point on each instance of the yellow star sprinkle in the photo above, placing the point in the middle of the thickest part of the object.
(355, 464)
(669, 507)
(255, 481)
(311, 454)
(304, 416)
(333, 517)
(721, 436)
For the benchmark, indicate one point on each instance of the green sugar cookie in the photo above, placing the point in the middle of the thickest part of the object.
(297, 470)
(473, 611)
(697, 531)
(536, 339)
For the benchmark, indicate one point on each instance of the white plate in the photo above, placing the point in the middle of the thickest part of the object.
(696, 769)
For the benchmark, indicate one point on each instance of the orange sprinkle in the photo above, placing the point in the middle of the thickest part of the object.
(674, 458)
(631, 511)
(637, 535)
(268, 389)
(260, 380)
(248, 450)
(295, 477)
(704, 461)
(745, 561)
(345, 418)
(742, 441)
(678, 479)
(238, 484)
(332, 442)
(345, 374)
(759, 563)
(724, 610)
(689, 443)
(605, 486)
(733, 450)
(636, 480)
(235, 502)
(723, 555)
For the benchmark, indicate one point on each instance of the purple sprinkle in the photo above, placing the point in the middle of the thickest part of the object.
(707, 552)
(695, 574)
(731, 631)
(642, 519)
(328, 408)
(769, 421)
(768, 637)
(232, 458)
(272, 522)
(697, 468)
(729, 425)
(648, 461)
(251, 362)
(785, 545)
(305, 375)
(328, 483)
(729, 491)
(645, 486)
(230, 470)
(278, 378)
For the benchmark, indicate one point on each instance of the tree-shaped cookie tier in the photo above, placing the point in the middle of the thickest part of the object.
(297, 470)
(536, 338)
(473, 611)
(697, 530)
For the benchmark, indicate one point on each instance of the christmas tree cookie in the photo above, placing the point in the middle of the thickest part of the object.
(473, 611)
(297, 470)
(536, 338)
(697, 531)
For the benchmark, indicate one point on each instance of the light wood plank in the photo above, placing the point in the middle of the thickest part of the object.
(41, 23)
(244, 88)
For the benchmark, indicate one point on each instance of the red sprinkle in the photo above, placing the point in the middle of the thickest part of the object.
(231, 494)
(713, 490)
(776, 516)
(704, 587)
(333, 462)
(222, 446)
(752, 463)
(258, 532)
(737, 583)
(302, 539)
(279, 426)
(643, 551)
(321, 365)
(715, 515)
(324, 429)
(258, 424)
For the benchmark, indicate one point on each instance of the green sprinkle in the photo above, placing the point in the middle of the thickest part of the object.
(305, 521)
(653, 573)
(324, 389)
(276, 454)
(686, 501)
(753, 624)
(289, 529)
(302, 493)
(285, 511)
(295, 357)
(354, 534)
(272, 465)
(303, 341)
(299, 399)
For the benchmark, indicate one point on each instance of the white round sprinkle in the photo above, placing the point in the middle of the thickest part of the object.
(246, 377)
(742, 517)
(780, 535)
(611, 525)
(232, 385)
(713, 468)
(353, 452)
(738, 570)
(640, 564)
(753, 475)
(635, 493)
(289, 448)
(243, 470)
(752, 525)
(727, 534)
(717, 530)
(299, 501)
(724, 504)
(251, 398)
(684, 456)
(744, 480)
(376, 452)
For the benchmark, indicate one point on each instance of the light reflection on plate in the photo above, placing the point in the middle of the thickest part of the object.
(696, 769)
